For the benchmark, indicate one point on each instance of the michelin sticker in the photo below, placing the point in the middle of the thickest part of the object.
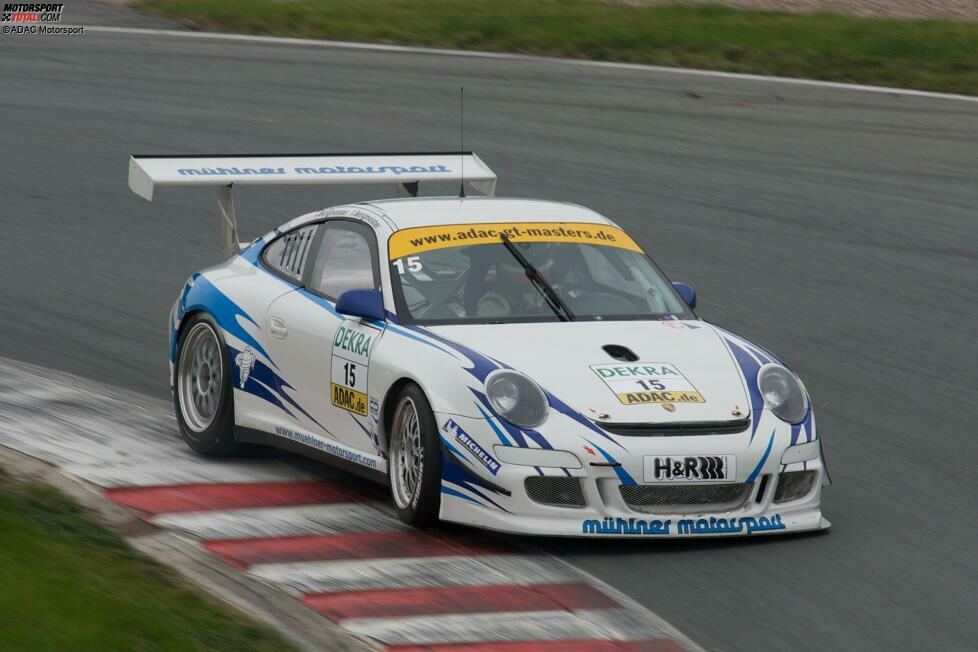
(647, 382)
(245, 360)
(454, 430)
(350, 362)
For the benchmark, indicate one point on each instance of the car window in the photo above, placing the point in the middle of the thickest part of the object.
(346, 260)
(287, 255)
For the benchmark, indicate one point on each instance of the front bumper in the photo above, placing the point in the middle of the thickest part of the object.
(501, 501)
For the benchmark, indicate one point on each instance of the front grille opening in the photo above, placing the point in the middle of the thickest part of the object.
(620, 353)
(794, 485)
(761, 488)
(685, 498)
(555, 491)
(681, 429)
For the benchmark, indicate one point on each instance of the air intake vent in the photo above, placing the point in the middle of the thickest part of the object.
(559, 492)
(685, 498)
(620, 353)
(682, 429)
(794, 485)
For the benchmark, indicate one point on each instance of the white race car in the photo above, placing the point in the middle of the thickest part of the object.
(510, 364)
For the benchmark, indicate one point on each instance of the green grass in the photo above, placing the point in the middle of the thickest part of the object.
(931, 55)
(67, 583)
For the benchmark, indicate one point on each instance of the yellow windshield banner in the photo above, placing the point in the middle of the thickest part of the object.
(426, 238)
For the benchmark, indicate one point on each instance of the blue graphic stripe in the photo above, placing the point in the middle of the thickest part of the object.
(623, 476)
(253, 251)
(468, 487)
(454, 450)
(370, 434)
(795, 433)
(454, 473)
(204, 295)
(411, 336)
(748, 369)
(495, 428)
(760, 465)
(566, 410)
(288, 398)
(519, 435)
(321, 302)
(256, 388)
(453, 492)
(481, 365)
(180, 310)
(758, 350)
(805, 423)
(262, 376)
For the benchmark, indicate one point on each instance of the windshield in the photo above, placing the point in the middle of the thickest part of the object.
(468, 274)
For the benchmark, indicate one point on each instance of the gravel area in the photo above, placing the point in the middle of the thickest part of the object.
(945, 9)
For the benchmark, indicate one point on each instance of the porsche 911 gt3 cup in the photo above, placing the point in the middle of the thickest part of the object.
(510, 364)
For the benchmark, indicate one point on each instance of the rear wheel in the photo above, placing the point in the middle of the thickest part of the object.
(202, 396)
(415, 459)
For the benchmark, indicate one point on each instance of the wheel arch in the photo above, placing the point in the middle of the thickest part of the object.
(178, 331)
(389, 404)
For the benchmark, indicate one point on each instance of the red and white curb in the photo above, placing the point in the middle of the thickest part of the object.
(344, 553)
(336, 546)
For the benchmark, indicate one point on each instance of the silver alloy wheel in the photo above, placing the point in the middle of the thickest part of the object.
(407, 455)
(200, 378)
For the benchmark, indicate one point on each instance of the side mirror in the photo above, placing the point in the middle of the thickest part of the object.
(367, 304)
(687, 292)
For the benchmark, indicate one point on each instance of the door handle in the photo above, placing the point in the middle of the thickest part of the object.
(277, 328)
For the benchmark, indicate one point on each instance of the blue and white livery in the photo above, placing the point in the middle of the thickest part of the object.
(510, 364)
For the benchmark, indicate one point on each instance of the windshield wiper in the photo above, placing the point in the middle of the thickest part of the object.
(553, 299)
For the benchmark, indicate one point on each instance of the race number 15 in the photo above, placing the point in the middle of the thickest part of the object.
(413, 264)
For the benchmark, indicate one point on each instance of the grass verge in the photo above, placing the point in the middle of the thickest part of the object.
(67, 583)
(928, 55)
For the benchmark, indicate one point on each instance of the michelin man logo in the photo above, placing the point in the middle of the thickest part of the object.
(245, 361)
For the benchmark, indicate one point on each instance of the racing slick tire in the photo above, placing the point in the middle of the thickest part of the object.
(202, 393)
(415, 459)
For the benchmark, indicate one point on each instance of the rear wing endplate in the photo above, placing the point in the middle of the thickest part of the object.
(223, 171)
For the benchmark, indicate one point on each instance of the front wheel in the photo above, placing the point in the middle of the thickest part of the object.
(415, 459)
(203, 393)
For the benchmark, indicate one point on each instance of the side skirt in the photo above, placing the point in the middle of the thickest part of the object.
(253, 436)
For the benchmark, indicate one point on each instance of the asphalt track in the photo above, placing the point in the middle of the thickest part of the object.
(835, 227)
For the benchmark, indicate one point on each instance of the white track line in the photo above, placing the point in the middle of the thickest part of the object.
(483, 627)
(377, 47)
(262, 522)
(148, 474)
(369, 574)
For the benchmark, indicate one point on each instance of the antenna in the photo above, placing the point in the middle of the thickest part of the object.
(461, 137)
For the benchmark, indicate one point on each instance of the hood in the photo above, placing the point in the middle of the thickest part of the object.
(684, 372)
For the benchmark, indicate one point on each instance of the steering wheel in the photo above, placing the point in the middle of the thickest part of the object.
(597, 295)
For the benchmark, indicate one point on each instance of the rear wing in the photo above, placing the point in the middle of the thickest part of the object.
(223, 171)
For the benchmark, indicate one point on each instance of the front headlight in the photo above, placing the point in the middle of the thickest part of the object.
(783, 393)
(516, 398)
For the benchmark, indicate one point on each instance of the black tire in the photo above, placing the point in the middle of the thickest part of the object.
(213, 436)
(418, 507)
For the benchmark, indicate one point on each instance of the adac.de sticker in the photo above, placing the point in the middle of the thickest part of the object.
(349, 366)
(647, 382)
